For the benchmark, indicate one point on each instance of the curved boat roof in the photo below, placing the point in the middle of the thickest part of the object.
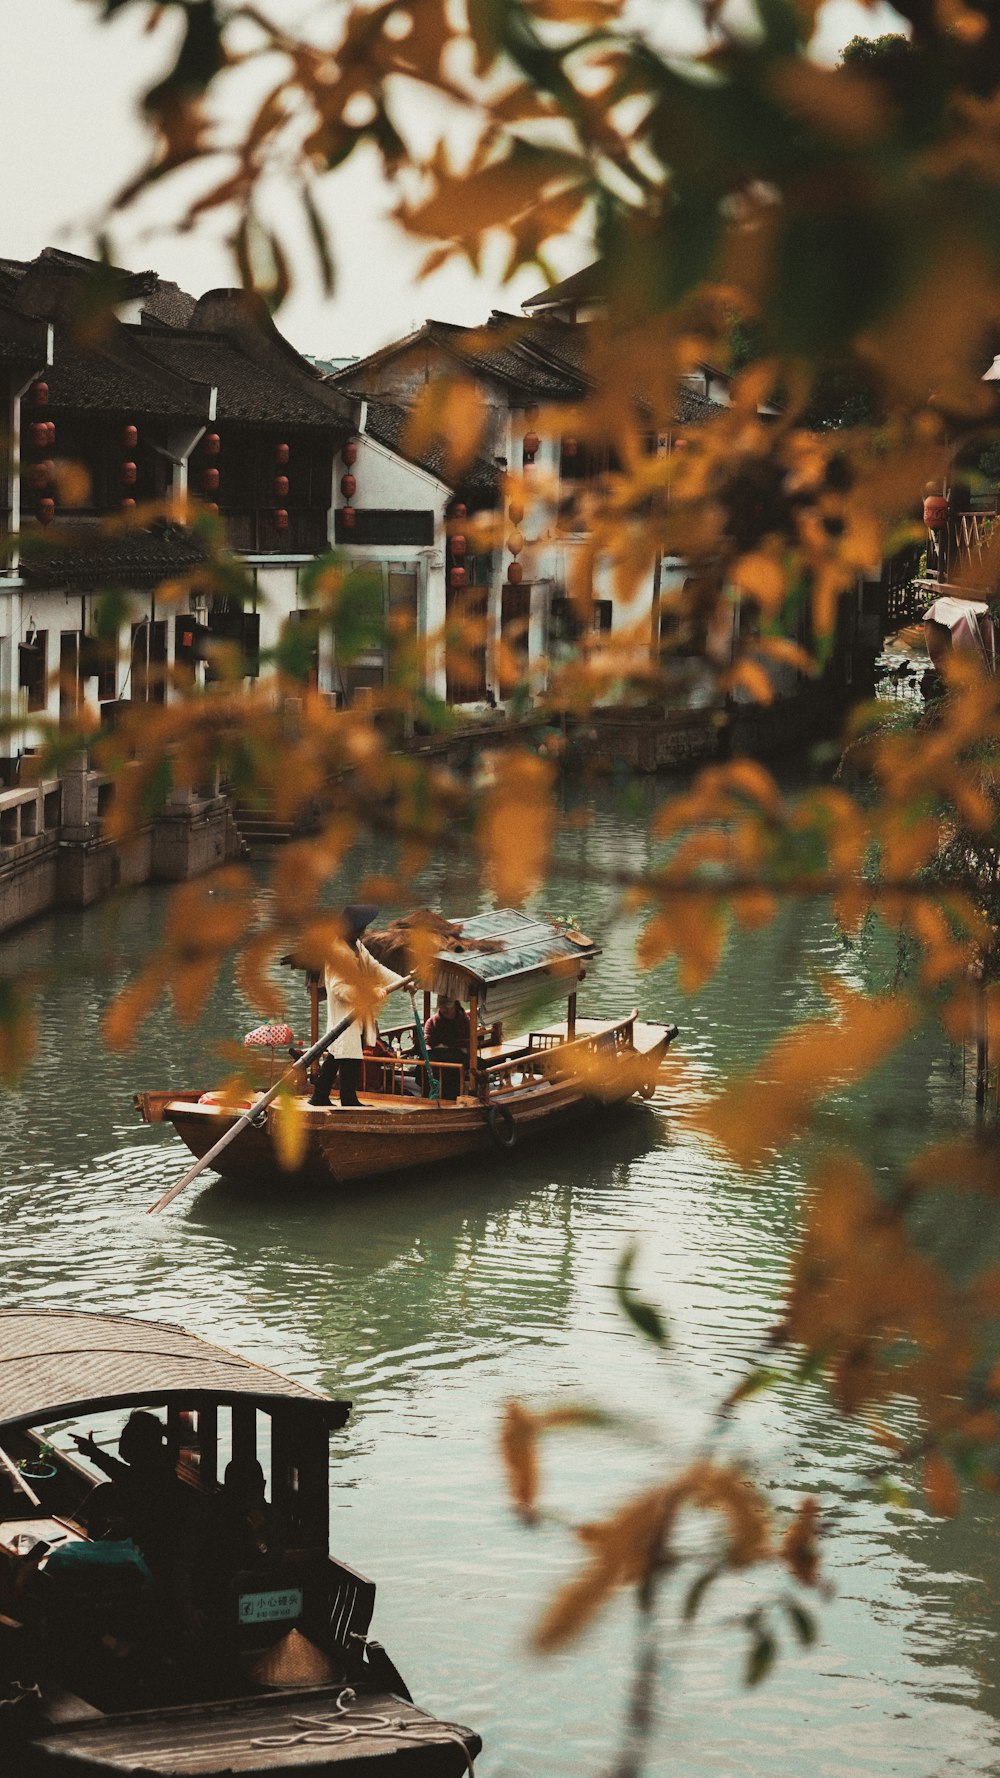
(57, 1363)
(522, 958)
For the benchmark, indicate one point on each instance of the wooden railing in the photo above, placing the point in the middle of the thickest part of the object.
(548, 1055)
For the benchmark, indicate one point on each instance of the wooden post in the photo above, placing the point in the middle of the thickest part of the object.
(427, 1004)
(244, 1431)
(473, 1039)
(208, 1444)
(982, 1053)
(571, 1017)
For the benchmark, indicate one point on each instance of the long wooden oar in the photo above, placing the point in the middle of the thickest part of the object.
(250, 1115)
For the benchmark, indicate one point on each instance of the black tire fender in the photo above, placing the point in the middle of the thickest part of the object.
(502, 1128)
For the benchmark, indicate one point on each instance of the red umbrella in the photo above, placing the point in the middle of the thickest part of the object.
(269, 1037)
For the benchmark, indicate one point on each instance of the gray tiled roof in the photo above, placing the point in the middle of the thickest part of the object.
(387, 423)
(120, 380)
(247, 391)
(84, 557)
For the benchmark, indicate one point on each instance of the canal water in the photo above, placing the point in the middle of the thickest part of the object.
(431, 1301)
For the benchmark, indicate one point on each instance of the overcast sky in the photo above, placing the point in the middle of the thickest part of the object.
(72, 136)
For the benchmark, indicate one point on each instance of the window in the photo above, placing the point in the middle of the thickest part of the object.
(149, 662)
(373, 524)
(33, 669)
(69, 675)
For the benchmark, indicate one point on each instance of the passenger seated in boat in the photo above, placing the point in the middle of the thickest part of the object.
(446, 1034)
(244, 1527)
(143, 1499)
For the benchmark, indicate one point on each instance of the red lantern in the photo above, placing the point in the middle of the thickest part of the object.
(515, 543)
(280, 486)
(515, 574)
(212, 444)
(458, 577)
(460, 511)
(935, 512)
(46, 510)
(350, 452)
(38, 435)
(458, 545)
(531, 442)
(210, 480)
(130, 437)
(348, 486)
(128, 504)
(50, 432)
(569, 447)
(281, 453)
(40, 394)
(281, 519)
(515, 512)
(211, 506)
(129, 474)
(347, 517)
(41, 474)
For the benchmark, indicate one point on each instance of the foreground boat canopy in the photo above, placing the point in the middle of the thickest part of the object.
(58, 1363)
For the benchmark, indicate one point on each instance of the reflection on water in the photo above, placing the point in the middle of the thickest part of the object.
(432, 1302)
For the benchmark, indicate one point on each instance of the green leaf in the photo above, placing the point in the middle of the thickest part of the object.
(696, 1593)
(359, 622)
(891, 1493)
(295, 651)
(753, 1384)
(110, 611)
(802, 1621)
(320, 238)
(761, 1657)
(157, 787)
(642, 1315)
(199, 59)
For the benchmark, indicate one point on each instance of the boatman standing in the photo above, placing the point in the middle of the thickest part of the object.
(356, 985)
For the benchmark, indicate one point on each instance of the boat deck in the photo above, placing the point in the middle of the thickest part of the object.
(296, 1731)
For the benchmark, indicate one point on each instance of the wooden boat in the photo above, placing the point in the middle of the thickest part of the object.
(425, 1114)
(249, 1666)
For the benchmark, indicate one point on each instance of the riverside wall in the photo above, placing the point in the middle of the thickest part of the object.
(54, 852)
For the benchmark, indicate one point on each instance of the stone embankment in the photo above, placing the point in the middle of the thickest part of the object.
(54, 852)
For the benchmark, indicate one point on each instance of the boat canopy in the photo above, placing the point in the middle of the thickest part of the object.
(59, 1363)
(522, 959)
(970, 625)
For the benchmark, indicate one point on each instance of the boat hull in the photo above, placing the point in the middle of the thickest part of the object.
(387, 1135)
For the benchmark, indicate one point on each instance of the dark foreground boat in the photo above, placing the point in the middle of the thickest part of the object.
(416, 1113)
(231, 1641)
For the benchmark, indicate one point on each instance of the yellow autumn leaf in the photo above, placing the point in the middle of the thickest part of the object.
(760, 577)
(515, 824)
(450, 412)
(288, 1130)
(755, 1115)
(519, 1452)
(941, 1485)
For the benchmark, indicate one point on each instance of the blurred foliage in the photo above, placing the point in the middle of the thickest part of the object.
(833, 236)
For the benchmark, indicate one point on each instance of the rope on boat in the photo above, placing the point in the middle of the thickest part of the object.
(332, 1729)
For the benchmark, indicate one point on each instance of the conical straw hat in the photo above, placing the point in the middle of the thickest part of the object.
(294, 1661)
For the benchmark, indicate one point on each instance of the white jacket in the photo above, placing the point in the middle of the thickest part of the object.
(342, 996)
